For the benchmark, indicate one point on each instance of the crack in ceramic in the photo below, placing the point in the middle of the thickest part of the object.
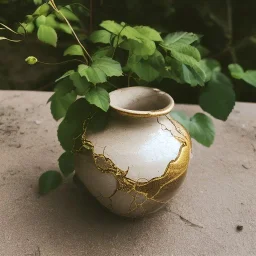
(155, 191)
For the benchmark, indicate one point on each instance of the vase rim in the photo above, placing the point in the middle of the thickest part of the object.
(140, 101)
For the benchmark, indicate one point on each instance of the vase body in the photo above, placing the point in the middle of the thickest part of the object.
(140, 159)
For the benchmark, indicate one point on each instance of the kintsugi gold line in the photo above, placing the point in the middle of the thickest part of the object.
(143, 188)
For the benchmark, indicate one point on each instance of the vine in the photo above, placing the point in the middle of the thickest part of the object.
(83, 93)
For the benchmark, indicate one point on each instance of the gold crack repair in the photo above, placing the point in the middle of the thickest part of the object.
(156, 190)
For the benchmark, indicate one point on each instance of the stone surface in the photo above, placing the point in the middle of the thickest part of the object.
(217, 196)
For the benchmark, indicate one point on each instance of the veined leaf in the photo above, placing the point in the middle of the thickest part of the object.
(109, 66)
(122, 31)
(200, 127)
(93, 75)
(149, 33)
(209, 66)
(68, 73)
(180, 37)
(98, 97)
(144, 48)
(144, 70)
(74, 50)
(26, 28)
(47, 35)
(237, 72)
(192, 77)
(81, 83)
(100, 69)
(63, 97)
(111, 26)
(181, 52)
(103, 52)
(218, 97)
(100, 36)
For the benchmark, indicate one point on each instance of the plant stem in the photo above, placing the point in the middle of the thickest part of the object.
(91, 16)
(60, 63)
(118, 37)
(52, 3)
(230, 31)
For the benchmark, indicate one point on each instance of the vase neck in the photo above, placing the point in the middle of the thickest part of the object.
(140, 102)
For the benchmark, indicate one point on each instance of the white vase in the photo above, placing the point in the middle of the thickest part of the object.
(140, 159)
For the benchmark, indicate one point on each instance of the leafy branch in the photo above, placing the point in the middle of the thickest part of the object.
(52, 3)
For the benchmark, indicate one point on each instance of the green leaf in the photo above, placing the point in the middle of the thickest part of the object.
(26, 28)
(49, 181)
(42, 10)
(182, 118)
(218, 97)
(236, 71)
(157, 60)
(180, 37)
(150, 33)
(98, 97)
(67, 163)
(184, 73)
(144, 48)
(109, 66)
(68, 13)
(111, 26)
(209, 66)
(72, 125)
(192, 77)
(47, 35)
(38, 2)
(93, 75)
(100, 36)
(103, 52)
(122, 31)
(81, 83)
(144, 70)
(74, 50)
(40, 20)
(68, 73)
(185, 53)
(250, 77)
(63, 97)
(65, 28)
(100, 69)
(200, 127)
(99, 121)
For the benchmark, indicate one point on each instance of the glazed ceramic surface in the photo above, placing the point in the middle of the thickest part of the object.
(140, 159)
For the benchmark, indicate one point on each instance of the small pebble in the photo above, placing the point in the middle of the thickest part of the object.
(239, 228)
(38, 122)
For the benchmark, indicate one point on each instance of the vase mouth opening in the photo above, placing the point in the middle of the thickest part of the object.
(141, 101)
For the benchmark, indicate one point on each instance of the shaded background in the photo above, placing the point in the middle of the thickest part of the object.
(228, 26)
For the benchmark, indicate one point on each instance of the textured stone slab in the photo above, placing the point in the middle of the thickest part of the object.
(218, 194)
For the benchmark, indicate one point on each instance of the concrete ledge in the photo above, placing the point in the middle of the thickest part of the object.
(218, 194)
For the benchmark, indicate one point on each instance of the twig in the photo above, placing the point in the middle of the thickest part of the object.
(52, 3)
(118, 37)
(230, 31)
(91, 16)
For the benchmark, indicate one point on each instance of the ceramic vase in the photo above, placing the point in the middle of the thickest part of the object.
(140, 159)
